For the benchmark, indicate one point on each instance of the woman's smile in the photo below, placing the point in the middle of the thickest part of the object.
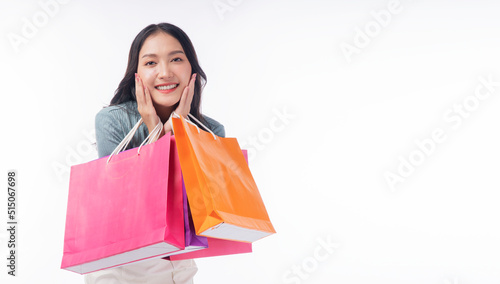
(167, 88)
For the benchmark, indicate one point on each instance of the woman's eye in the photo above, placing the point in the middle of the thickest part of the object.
(150, 63)
(178, 59)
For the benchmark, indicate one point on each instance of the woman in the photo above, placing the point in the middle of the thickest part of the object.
(162, 76)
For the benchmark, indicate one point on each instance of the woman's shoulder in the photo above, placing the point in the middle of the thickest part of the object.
(118, 118)
(112, 124)
(215, 126)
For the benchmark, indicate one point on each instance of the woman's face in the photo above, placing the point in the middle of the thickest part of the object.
(164, 69)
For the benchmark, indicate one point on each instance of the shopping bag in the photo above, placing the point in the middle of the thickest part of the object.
(123, 211)
(224, 199)
(215, 247)
(193, 242)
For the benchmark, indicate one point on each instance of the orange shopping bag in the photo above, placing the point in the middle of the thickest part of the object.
(223, 197)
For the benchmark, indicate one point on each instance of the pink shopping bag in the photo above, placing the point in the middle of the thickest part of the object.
(124, 211)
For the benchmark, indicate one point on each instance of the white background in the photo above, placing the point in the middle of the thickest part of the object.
(322, 172)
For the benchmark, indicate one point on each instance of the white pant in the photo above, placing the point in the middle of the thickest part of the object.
(154, 271)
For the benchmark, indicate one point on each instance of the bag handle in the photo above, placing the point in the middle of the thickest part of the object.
(174, 114)
(152, 137)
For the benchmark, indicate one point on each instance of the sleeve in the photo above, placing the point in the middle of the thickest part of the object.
(109, 133)
(219, 130)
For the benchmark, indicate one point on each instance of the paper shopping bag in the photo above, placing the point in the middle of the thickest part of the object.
(124, 211)
(216, 247)
(199, 246)
(223, 197)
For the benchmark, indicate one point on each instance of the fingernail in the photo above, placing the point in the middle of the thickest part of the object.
(136, 75)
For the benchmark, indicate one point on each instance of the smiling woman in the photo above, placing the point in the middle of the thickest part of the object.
(162, 76)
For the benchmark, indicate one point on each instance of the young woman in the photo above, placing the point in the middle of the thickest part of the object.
(162, 76)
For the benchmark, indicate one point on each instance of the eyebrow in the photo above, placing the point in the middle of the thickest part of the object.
(170, 54)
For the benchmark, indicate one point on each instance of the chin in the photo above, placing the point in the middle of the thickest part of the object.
(166, 102)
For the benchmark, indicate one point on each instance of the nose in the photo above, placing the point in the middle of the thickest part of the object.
(164, 72)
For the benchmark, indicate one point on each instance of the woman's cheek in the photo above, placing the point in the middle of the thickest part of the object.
(187, 74)
(149, 77)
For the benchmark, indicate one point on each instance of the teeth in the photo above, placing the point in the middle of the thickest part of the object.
(166, 87)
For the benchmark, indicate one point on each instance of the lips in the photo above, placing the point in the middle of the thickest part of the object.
(167, 88)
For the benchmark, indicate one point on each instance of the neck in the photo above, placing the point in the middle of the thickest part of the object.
(163, 112)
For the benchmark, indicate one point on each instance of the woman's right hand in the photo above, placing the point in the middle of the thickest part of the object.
(145, 104)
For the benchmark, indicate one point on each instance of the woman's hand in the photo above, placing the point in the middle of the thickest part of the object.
(184, 104)
(145, 104)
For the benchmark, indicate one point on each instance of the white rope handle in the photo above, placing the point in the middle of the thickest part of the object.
(206, 128)
(152, 137)
(174, 114)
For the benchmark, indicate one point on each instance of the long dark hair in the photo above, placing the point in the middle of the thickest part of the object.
(126, 89)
